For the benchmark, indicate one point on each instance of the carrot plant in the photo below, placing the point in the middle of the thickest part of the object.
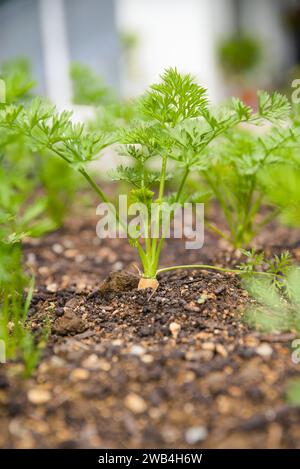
(55, 180)
(281, 182)
(239, 174)
(277, 306)
(30, 202)
(17, 220)
(176, 133)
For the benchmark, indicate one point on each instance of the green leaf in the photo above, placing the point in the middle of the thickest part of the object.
(273, 107)
(175, 99)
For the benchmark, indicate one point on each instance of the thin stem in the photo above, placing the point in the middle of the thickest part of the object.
(225, 209)
(181, 186)
(216, 230)
(213, 267)
(96, 188)
(160, 197)
(158, 248)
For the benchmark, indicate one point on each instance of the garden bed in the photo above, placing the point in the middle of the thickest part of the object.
(126, 368)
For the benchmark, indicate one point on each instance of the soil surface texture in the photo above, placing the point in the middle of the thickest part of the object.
(131, 369)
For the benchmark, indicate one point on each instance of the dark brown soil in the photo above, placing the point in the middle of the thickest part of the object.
(128, 369)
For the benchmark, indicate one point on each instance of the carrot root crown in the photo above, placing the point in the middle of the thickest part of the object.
(148, 283)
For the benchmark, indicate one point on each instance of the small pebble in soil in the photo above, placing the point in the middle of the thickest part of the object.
(137, 350)
(264, 350)
(135, 403)
(174, 329)
(92, 362)
(52, 287)
(221, 350)
(147, 358)
(210, 346)
(57, 248)
(191, 307)
(118, 265)
(79, 374)
(194, 435)
(38, 396)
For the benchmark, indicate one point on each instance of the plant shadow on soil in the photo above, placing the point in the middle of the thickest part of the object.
(125, 369)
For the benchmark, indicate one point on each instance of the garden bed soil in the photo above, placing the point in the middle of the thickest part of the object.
(130, 369)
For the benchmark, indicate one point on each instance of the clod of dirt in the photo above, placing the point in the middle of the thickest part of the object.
(119, 282)
(70, 322)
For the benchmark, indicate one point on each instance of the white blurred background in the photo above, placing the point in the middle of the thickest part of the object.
(130, 42)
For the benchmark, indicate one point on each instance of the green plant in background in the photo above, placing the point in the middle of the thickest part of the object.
(56, 180)
(277, 305)
(281, 182)
(18, 80)
(236, 173)
(282, 188)
(293, 392)
(34, 194)
(229, 158)
(20, 342)
(111, 113)
(88, 87)
(21, 214)
(278, 266)
(239, 54)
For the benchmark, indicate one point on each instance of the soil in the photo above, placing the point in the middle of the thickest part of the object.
(130, 369)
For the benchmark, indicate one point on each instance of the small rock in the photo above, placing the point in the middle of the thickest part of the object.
(56, 362)
(79, 374)
(170, 434)
(221, 350)
(80, 258)
(137, 350)
(38, 396)
(192, 307)
(195, 434)
(264, 350)
(73, 303)
(118, 265)
(117, 343)
(70, 253)
(92, 362)
(135, 403)
(57, 248)
(52, 287)
(174, 328)
(208, 346)
(147, 358)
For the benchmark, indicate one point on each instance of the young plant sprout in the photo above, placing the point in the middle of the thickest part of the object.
(236, 172)
(178, 130)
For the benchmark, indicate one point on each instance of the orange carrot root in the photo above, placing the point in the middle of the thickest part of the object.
(148, 283)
